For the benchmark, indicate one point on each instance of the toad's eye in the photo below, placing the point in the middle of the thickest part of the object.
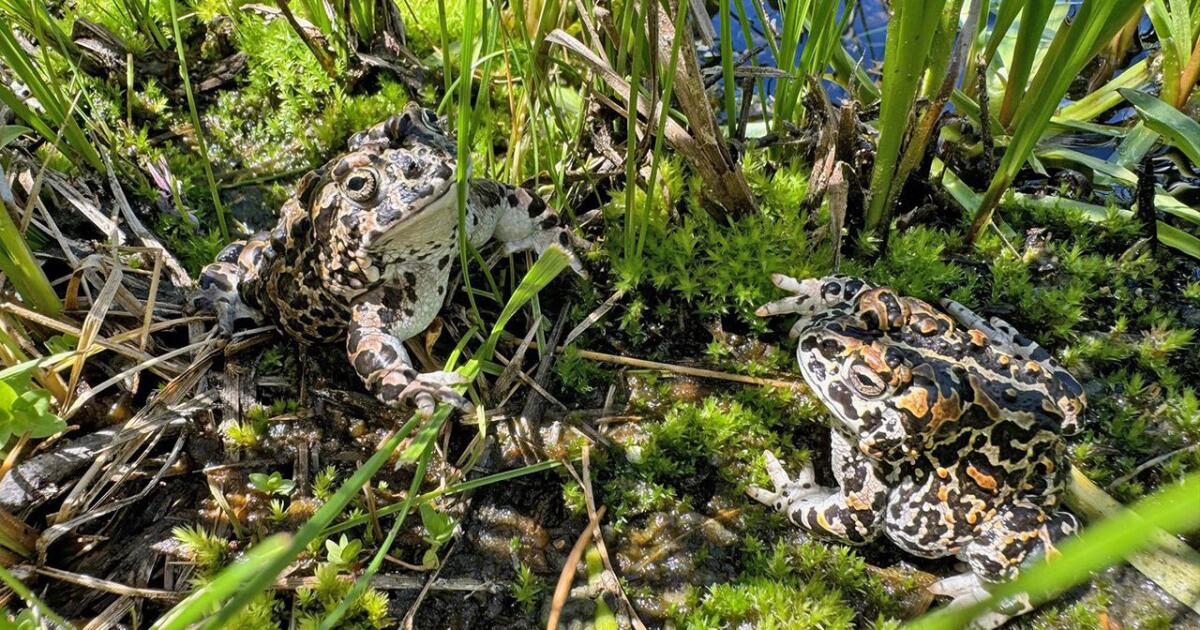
(866, 381)
(430, 117)
(361, 185)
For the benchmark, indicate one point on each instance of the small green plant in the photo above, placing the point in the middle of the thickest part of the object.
(25, 410)
(323, 483)
(343, 552)
(577, 373)
(526, 588)
(273, 483)
(206, 549)
(368, 610)
(439, 529)
(278, 511)
(242, 435)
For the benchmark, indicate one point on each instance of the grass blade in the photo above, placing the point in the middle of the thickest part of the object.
(1175, 127)
(1029, 36)
(18, 263)
(909, 37)
(726, 64)
(195, 115)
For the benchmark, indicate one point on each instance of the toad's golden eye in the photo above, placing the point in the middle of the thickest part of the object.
(361, 184)
(867, 382)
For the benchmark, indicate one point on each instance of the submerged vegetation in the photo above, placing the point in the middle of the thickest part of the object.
(1034, 160)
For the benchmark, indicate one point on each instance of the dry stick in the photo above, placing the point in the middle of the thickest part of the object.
(109, 586)
(563, 589)
(985, 125)
(63, 527)
(689, 371)
(529, 422)
(590, 497)
(113, 613)
(170, 395)
(393, 582)
(114, 343)
(91, 330)
(178, 274)
(1150, 463)
(92, 392)
(1145, 201)
(594, 316)
(923, 132)
(407, 622)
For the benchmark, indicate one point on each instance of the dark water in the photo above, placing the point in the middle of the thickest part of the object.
(863, 39)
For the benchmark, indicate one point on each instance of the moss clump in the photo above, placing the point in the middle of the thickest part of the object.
(696, 263)
(805, 585)
(368, 610)
(699, 449)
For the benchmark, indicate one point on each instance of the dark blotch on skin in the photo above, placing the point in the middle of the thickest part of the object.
(536, 206)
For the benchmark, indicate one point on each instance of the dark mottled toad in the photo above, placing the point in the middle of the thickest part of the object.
(947, 435)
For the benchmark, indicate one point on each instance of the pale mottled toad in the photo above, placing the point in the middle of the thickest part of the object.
(364, 251)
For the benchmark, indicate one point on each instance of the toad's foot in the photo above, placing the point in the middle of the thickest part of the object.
(791, 496)
(805, 298)
(430, 388)
(966, 589)
(525, 222)
(561, 238)
(810, 296)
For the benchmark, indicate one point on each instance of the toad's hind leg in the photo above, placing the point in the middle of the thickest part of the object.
(1018, 536)
(852, 513)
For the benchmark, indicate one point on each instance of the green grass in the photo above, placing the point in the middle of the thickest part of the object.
(1075, 43)
(910, 37)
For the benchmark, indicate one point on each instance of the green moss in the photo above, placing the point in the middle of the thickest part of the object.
(578, 374)
(702, 264)
(915, 264)
(368, 610)
(808, 585)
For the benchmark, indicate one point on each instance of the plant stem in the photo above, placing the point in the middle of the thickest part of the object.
(195, 115)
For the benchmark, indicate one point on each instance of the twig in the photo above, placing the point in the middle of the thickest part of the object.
(389, 582)
(109, 586)
(590, 497)
(566, 576)
(690, 371)
(1151, 463)
(407, 622)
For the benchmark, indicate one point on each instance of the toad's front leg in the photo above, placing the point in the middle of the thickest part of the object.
(523, 221)
(852, 513)
(380, 321)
